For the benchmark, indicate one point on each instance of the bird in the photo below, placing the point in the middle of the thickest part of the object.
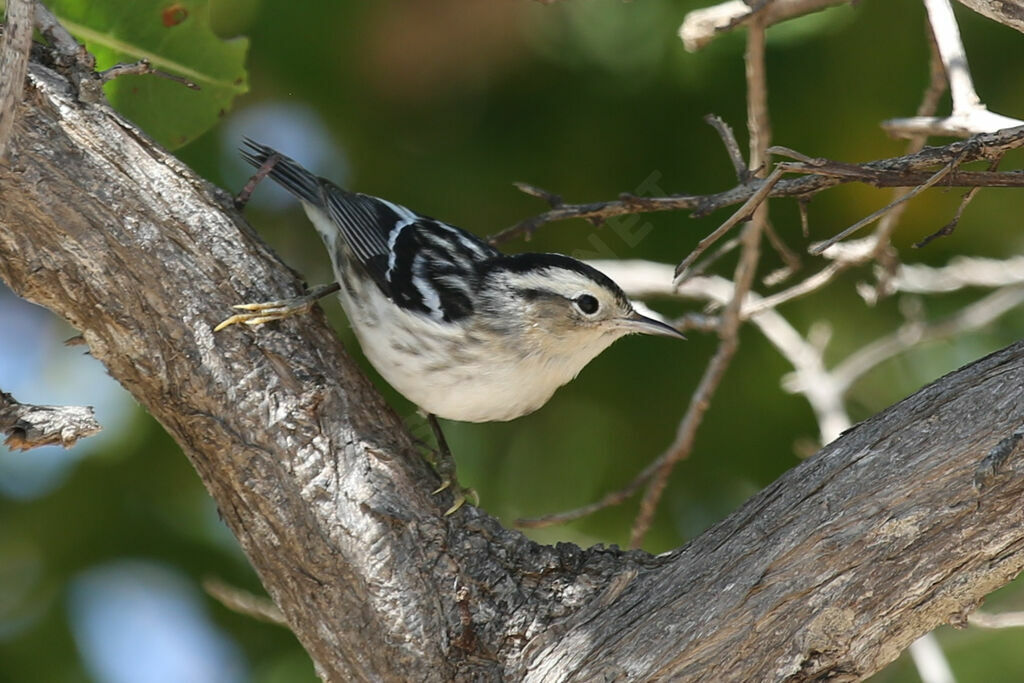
(460, 329)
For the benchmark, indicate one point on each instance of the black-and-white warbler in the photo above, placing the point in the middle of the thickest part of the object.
(460, 329)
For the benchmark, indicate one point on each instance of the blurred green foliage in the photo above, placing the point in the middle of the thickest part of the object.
(175, 37)
(441, 106)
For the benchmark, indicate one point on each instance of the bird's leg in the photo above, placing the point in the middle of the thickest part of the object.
(266, 311)
(445, 466)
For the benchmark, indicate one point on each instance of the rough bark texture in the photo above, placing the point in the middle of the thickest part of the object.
(902, 524)
(29, 426)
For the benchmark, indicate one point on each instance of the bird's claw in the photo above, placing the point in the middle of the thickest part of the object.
(460, 495)
(269, 311)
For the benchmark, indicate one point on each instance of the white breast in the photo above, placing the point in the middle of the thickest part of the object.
(433, 365)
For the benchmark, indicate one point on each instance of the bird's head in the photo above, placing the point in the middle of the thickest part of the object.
(557, 306)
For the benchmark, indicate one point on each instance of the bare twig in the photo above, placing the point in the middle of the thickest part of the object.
(61, 39)
(971, 317)
(732, 148)
(759, 126)
(949, 227)
(969, 115)
(909, 170)
(790, 258)
(244, 602)
(614, 498)
(712, 377)
(29, 426)
(810, 284)
(726, 248)
(17, 41)
(1005, 620)
(759, 129)
(551, 198)
(743, 213)
(930, 661)
(883, 250)
(960, 272)
(843, 234)
(243, 196)
(701, 26)
(143, 68)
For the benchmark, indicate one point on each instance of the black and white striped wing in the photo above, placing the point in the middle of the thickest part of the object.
(433, 267)
(420, 263)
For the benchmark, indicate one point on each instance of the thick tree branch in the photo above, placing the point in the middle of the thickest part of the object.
(905, 522)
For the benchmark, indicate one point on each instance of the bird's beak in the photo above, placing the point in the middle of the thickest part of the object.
(641, 324)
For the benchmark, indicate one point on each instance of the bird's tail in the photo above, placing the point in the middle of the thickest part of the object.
(287, 172)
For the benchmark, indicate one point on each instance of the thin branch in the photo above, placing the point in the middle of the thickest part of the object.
(740, 215)
(759, 126)
(68, 49)
(978, 314)
(939, 175)
(244, 602)
(726, 248)
(701, 26)
(883, 251)
(732, 148)
(930, 661)
(949, 227)
(712, 377)
(143, 68)
(969, 115)
(811, 284)
(614, 498)
(29, 426)
(790, 258)
(904, 171)
(954, 58)
(551, 198)
(987, 620)
(759, 130)
(959, 273)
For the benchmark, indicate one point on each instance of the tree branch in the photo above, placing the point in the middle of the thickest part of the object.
(701, 26)
(910, 170)
(969, 115)
(29, 426)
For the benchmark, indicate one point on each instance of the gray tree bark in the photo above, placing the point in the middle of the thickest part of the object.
(904, 523)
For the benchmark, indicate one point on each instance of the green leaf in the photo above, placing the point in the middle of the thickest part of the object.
(175, 36)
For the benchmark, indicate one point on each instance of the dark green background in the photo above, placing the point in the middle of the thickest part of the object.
(441, 106)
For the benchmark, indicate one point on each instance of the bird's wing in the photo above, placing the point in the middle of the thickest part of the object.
(419, 262)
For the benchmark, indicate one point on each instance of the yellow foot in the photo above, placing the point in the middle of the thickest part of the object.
(460, 495)
(268, 311)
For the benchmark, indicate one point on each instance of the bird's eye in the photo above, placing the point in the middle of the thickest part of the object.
(587, 304)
